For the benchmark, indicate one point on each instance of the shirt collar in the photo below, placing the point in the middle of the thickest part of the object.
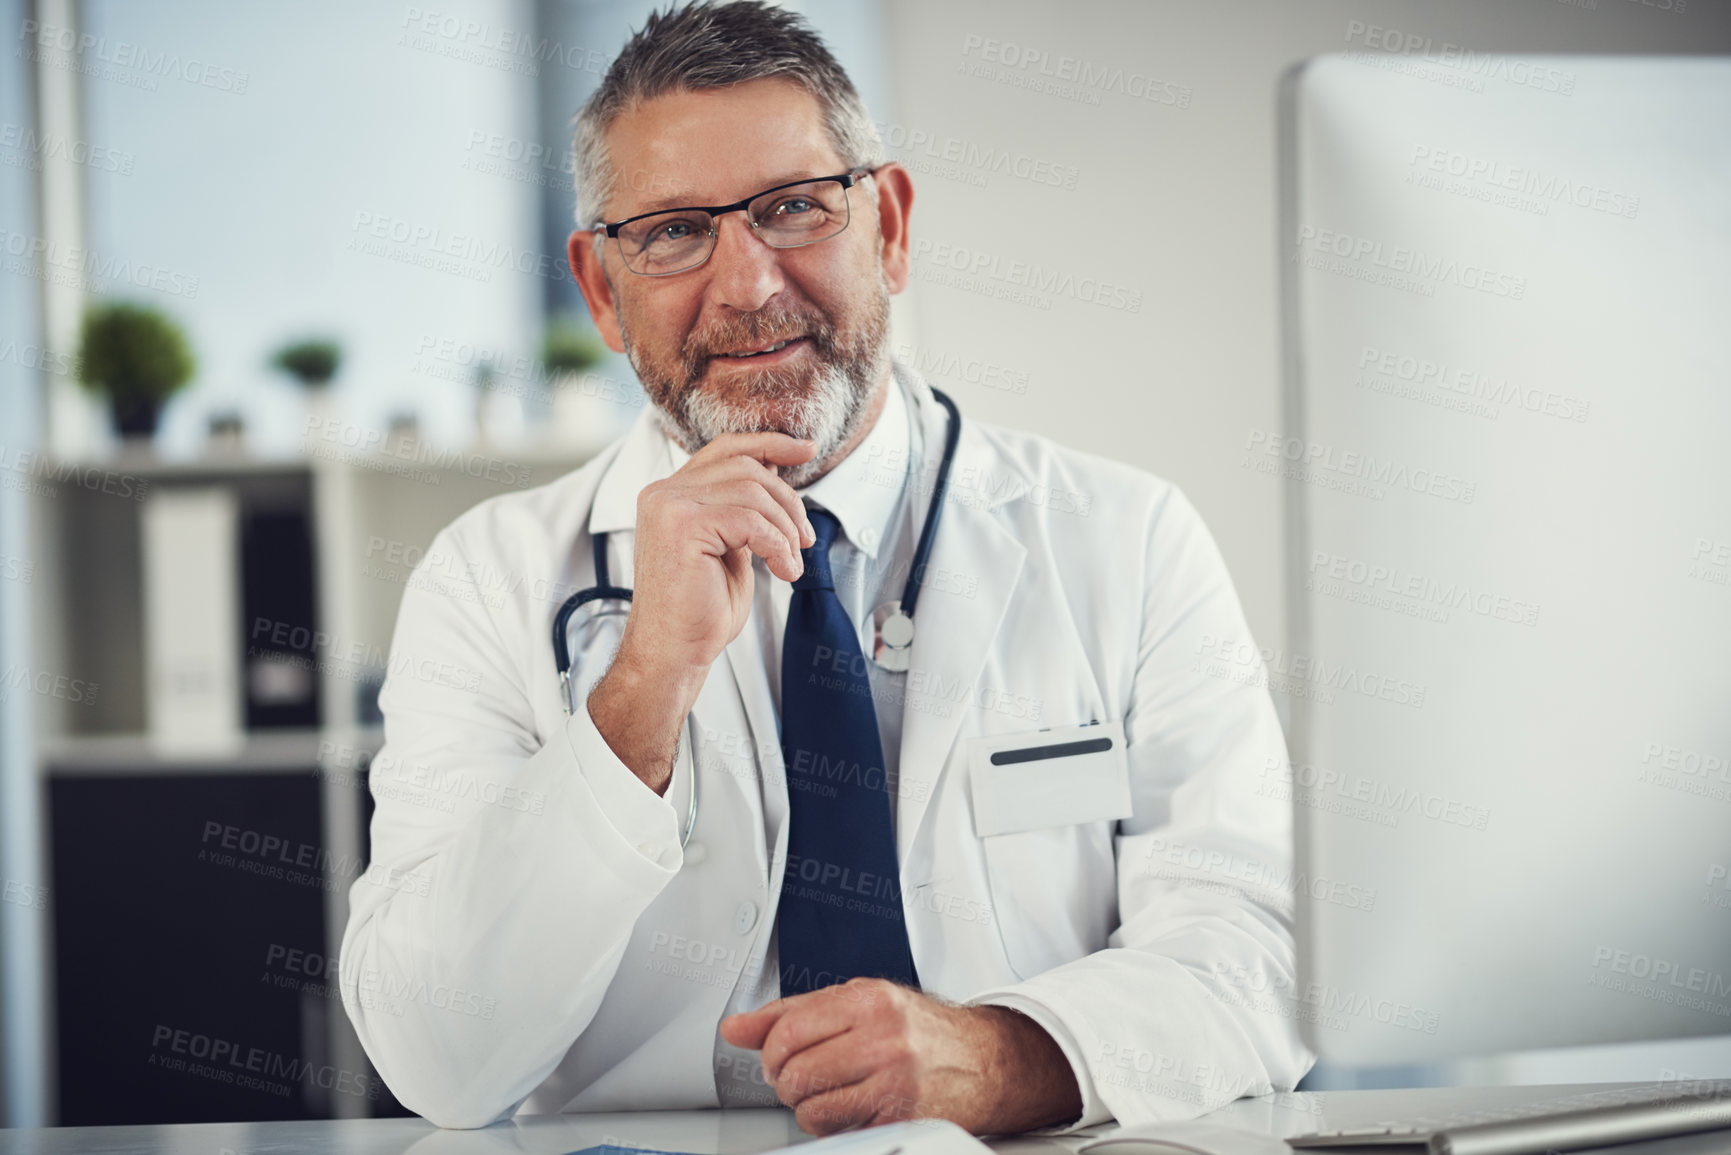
(864, 487)
(640, 459)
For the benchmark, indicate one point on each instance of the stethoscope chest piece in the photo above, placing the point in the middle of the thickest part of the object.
(892, 637)
(893, 622)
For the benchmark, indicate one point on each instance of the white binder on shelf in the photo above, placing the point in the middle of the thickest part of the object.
(191, 563)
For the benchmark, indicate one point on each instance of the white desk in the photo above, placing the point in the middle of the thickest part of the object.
(739, 1132)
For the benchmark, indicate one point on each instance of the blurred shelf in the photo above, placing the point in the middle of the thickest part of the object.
(267, 752)
(421, 455)
(151, 466)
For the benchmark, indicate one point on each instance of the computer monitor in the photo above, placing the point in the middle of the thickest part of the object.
(1506, 459)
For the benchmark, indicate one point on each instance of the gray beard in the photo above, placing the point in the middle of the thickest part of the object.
(829, 412)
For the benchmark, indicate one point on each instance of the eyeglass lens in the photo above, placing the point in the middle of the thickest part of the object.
(785, 218)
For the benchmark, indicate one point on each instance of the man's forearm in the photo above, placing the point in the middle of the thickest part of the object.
(1034, 1084)
(640, 715)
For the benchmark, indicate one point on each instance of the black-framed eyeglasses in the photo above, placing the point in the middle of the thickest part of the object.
(788, 216)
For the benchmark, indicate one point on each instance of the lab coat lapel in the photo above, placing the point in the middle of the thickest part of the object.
(953, 634)
(746, 660)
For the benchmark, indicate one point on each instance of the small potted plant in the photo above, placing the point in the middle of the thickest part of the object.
(138, 357)
(312, 362)
(586, 410)
(570, 349)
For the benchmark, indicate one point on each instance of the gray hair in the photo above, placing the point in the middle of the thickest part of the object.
(705, 45)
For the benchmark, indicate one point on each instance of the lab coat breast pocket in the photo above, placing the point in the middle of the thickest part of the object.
(1045, 804)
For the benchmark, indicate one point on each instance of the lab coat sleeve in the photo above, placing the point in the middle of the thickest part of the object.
(508, 866)
(1191, 1003)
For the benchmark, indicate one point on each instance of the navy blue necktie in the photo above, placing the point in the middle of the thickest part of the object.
(841, 898)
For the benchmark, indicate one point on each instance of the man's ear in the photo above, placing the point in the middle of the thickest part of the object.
(895, 202)
(585, 256)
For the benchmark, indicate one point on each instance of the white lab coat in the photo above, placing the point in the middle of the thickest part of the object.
(530, 935)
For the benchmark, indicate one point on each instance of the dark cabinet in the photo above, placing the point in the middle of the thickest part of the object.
(194, 979)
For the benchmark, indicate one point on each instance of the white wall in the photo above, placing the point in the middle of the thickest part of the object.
(1174, 203)
(253, 184)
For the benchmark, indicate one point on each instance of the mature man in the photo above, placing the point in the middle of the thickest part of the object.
(1018, 875)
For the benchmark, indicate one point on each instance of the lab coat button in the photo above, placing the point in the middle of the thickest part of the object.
(745, 917)
(695, 852)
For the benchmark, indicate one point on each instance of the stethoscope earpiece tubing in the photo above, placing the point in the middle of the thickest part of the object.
(929, 531)
(602, 590)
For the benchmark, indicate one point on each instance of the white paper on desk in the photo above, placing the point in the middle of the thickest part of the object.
(1190, 1136)
(915, 1137)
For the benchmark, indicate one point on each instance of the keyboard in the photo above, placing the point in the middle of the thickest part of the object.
(1566, 1123)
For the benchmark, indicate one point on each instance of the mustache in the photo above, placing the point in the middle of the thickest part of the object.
(749, 330)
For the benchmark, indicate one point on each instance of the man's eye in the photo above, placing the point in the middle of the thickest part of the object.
(792, 206)
(672, 231)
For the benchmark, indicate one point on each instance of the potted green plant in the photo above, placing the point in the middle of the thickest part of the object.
(138, 357)
(312, 362)
(585, 411)
(570, 349)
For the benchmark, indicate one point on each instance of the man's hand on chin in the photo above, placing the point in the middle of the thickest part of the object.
(870, 1051)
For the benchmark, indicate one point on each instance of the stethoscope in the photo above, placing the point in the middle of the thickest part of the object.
(892, 622)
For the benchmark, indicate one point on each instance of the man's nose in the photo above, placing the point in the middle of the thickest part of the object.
(744, 272)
